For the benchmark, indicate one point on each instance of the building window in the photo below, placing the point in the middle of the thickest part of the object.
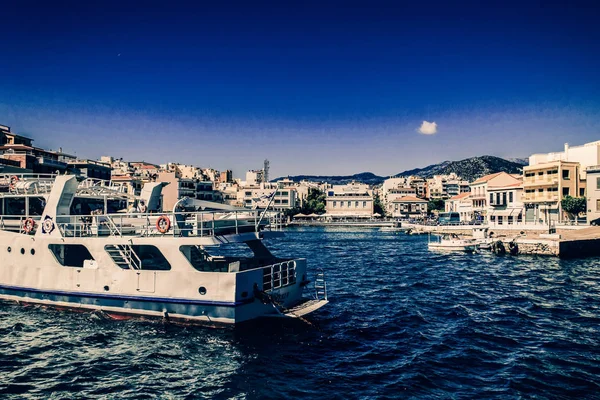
(356, 204)
(491, 198)
(565, 174)
(510, 197)
(598, 205)
(364, 204)
(566, 192)
(581, 192)
(349, 204)
(334, 204)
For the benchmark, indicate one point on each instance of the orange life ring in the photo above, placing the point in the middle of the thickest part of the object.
(163, 224)
(13, 179)
(28, 225)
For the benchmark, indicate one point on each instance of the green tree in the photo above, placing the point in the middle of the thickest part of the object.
(573, 205)
(314, 204)
(378, 206)
(435, 204)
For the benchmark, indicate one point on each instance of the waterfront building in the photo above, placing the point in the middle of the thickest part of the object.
(587, 155)
(229, 192)
(479, 191)
(18, 152)
(91, 169)
(462, 204)
(129, 184)
(260, 197)
(226, 176)
(446, 186)
(354, 200)
(304, 187)
(454, 187)
(546, 184)
(420, 186)
(254, 177)
(593, 192)
(408, 207)
(505, 205)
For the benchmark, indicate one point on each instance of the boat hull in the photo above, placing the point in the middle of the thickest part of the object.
(463, 248)
(172, 310)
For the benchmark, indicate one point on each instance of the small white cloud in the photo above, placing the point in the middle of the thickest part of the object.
(428, 128)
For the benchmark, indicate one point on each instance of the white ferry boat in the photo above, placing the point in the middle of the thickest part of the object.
(57, 250)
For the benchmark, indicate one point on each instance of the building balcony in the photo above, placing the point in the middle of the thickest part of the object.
(540, 198)
(528, 182)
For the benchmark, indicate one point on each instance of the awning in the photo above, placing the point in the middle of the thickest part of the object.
(300, 215)
(506, 213)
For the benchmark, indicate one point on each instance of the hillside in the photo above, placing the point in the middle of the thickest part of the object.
(364, 177)
(468, 169)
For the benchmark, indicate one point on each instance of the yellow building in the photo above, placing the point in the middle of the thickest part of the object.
(545, 185)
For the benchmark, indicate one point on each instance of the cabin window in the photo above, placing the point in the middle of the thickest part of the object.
(150, 257)
(36, 205)
(70, 255)
(14, 206)
(234, 257)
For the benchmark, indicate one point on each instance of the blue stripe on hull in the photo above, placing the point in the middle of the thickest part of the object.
(129, 304)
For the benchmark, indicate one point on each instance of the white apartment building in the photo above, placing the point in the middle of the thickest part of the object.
(408, 207)
(593, 193)
(260, 196)
(254, 177)
(354, 200)
(479, 191)
(587, 155)
(505, 205)
(462, 204)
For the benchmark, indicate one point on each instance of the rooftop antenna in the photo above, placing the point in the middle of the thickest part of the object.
(266, 171)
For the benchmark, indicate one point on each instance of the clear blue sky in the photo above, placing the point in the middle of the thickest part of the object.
(318, 88)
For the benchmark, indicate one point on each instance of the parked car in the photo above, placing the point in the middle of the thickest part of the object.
(595, 222)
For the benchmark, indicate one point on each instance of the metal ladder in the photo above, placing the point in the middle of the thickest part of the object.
(320, 285)
(124, 256)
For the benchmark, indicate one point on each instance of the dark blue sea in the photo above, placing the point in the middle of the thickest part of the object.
(402, 323)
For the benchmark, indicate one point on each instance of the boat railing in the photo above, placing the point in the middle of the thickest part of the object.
(27, 183)
(279, 275)
(186, 224)
(16, 223)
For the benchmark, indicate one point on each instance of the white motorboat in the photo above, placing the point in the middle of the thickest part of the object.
(451, 242)
(176, 266)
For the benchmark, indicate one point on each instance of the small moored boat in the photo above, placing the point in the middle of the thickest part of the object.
(451, 242)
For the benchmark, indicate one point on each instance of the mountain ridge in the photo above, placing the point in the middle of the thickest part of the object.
(468, 169)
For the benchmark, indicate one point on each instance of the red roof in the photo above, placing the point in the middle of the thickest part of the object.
(486, 178)
(461, 196)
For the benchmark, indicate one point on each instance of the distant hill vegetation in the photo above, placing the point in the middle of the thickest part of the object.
(468, 169)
